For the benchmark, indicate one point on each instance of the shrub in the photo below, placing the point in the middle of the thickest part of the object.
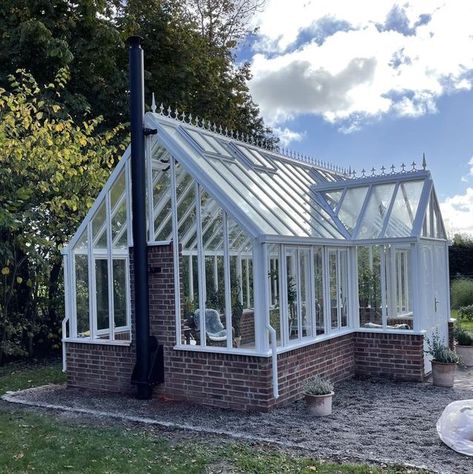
(466, 313)
(439, 351)
(462, 292)
(317, 385)
(464, 338)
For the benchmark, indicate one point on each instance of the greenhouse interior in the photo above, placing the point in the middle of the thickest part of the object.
(278, 251)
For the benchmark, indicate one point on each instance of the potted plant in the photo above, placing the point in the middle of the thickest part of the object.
(318, 394)
(464, 347)
(444, 361)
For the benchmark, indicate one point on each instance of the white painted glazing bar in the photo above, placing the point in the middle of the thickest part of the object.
(175, 252)
(227, 283)
(312, 298)
(92, 292)
(111, 306)
(201, 267)
(384, 286)
(283, 296)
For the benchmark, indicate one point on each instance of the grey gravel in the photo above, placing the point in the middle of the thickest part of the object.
(372, 421)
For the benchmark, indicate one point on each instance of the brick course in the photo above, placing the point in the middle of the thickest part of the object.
(236, 381)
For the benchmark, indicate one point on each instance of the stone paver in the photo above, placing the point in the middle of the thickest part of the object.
(464, 378)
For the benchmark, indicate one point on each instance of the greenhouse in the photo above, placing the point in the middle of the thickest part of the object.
(265, 267)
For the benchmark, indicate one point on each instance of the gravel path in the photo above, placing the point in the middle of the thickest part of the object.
(372, 421)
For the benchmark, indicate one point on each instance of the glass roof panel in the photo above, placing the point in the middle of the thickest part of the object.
(278, 195)
(372, 221)
(240, 195)
(350, 209)
(333, 198)
(199, 138)
(404, 209)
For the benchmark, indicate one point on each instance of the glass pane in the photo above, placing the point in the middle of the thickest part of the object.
(343, 275)
(273, 288)
(375, 211)
(241, 281)
(201, 140)
(218, 146)
(82, 295)
(333, 198)
(118, 189)
(404, 209)
(247, 281)
(319, 290)
(351, 207)
(119, 230)
(162, 203)
(291, 265)
(332, 262)
(101, 291)
(369, 286)
(99, 228)
(81, 244)
(304, 285)
(119, 292)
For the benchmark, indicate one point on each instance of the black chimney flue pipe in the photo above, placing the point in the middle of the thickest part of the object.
(138, 193)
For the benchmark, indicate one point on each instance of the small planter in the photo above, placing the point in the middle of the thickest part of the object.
(443, 374)
(319, 405)
(466, 354)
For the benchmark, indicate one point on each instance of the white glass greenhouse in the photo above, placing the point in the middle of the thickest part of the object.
(278, 251)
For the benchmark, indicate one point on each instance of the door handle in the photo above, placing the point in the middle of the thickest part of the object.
(436, 302)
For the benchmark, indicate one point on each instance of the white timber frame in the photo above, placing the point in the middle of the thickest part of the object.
(311, 225)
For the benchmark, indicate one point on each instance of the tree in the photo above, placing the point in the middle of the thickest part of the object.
(189, 55)
(43, 36)
(223, 22)
(191, 69)
(51, 170)
(460, 256)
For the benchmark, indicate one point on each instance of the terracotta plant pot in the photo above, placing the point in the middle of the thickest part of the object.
(466, 354)
(443, 374)
(319, 405)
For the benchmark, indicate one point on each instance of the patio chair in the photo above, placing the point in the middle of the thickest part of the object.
(214, 328)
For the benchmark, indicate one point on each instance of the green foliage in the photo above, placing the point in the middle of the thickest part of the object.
(439, 351)
(462, 292)
(464, 338)
(16, 376)
(189, 58)
(317, 385)
(51, 169)
(466, 313)
(460, 256)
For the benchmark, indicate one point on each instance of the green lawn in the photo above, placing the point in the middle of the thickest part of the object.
(48, 443)
(467, 325)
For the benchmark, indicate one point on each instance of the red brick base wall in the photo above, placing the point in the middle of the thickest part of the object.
(237, 381)
(396, 356)
(99, 367)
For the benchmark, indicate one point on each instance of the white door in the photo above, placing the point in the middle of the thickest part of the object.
(434, 297)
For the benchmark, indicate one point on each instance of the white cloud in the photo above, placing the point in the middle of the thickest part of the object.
(287, 136)
(469, 175)
(348, 61)
(457, 212)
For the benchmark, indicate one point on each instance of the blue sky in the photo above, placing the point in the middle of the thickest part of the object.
(372, 83)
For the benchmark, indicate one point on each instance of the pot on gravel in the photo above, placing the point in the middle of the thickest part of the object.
(443, 374)
(444, 361)
(464, 347)
(318, 394)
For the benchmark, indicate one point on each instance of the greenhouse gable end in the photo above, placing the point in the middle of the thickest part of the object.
(264, 269)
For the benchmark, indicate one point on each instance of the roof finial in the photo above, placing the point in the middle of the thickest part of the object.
(424, 163)
(153, 104)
